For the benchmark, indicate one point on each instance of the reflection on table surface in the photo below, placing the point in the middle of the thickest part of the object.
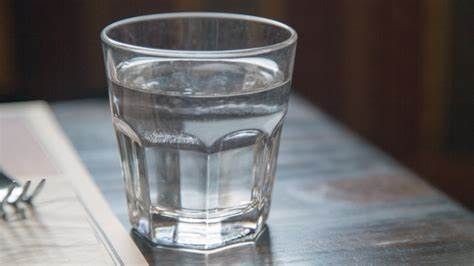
(251, 253)
(336, 200)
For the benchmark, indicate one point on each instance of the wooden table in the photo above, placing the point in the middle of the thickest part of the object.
(336, 200)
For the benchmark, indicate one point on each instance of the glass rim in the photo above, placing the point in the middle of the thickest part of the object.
(199, 53)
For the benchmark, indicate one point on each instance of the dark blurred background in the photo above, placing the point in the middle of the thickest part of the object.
(398, 72)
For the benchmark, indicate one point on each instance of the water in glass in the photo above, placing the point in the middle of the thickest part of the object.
(199, 143)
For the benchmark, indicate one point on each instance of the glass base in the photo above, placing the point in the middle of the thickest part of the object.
(171, 230)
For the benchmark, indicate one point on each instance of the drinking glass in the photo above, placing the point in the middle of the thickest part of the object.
(198, 102)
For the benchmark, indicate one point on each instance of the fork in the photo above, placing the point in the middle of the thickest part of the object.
(13, 193)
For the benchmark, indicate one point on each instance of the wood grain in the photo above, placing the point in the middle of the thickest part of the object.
(71, 222)
(337, 199)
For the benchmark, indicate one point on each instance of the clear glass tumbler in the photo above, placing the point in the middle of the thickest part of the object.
(198, 102)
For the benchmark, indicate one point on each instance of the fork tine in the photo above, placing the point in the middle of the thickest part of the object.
(22, 194)
(9, 192)
(5, 200)
(35, 192)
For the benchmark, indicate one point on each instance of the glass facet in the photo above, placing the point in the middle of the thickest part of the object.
(198, 102)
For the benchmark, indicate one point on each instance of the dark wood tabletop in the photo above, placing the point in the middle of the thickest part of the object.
(337, 199)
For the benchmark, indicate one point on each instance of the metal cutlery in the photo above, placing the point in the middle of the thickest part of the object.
(14, 194)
